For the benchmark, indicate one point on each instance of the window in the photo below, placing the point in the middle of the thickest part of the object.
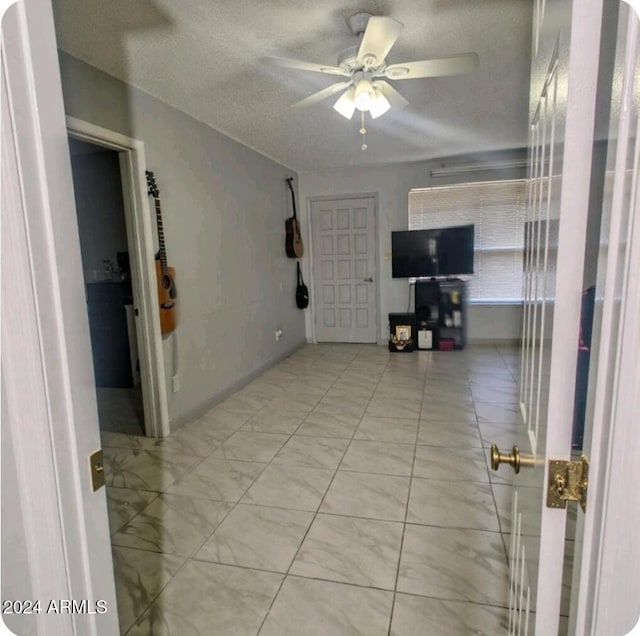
(497, 209)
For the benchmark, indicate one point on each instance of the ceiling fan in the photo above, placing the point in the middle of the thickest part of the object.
(365, 70)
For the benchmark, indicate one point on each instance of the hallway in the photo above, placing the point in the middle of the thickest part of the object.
(344, 491)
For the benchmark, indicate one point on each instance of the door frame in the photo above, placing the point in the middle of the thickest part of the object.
(137, 213)
(342, 197)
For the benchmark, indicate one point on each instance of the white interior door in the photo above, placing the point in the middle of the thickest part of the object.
(563, 98)
(55, 545)
(345, 301)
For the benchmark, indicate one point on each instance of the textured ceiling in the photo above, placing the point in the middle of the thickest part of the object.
(204, 57)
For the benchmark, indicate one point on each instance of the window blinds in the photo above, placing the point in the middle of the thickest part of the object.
(497, 209)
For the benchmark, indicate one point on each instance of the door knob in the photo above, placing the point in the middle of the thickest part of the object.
(368, 280)
(514, 459)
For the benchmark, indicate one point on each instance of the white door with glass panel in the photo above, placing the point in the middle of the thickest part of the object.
(343, 233)
(606, 570)
(563, 100)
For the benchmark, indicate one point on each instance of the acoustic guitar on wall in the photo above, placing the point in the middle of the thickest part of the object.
(294, 240)
(167, 292)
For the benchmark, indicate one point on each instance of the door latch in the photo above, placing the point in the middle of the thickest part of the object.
(96, 468)
(568, 481)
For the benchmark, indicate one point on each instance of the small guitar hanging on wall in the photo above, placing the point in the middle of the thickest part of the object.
(302, 292)
(167, 292)
(294, 240)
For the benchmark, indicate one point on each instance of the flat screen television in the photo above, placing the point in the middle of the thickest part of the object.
(439, 252)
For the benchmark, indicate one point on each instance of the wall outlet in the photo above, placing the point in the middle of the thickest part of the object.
(277, 334)
(176, 383)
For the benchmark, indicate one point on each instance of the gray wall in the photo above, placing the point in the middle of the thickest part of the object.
(391, 184)
(224, 208)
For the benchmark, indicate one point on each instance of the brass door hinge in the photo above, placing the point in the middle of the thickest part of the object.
(568, 481)
(96, 468)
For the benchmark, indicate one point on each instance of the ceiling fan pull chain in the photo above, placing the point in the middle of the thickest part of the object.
(363, 132)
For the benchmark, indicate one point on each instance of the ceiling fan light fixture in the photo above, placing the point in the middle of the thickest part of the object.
(363, 68)
(364, 95)
(380, 105)
(346, 104)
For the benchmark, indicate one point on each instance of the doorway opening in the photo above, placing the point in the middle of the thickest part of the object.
(106, 269)
(118, 246)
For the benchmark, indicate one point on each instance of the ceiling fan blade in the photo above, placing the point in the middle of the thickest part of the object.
(454, 65)
(379, 36)
(395, 99)
(306, 66)
(320, 95)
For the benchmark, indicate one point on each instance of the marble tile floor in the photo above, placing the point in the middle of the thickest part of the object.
(345, 491)
(121, 410)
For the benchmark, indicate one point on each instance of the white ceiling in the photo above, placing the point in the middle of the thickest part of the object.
(204, 57)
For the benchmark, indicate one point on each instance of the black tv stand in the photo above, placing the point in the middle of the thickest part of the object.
(440, 313)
